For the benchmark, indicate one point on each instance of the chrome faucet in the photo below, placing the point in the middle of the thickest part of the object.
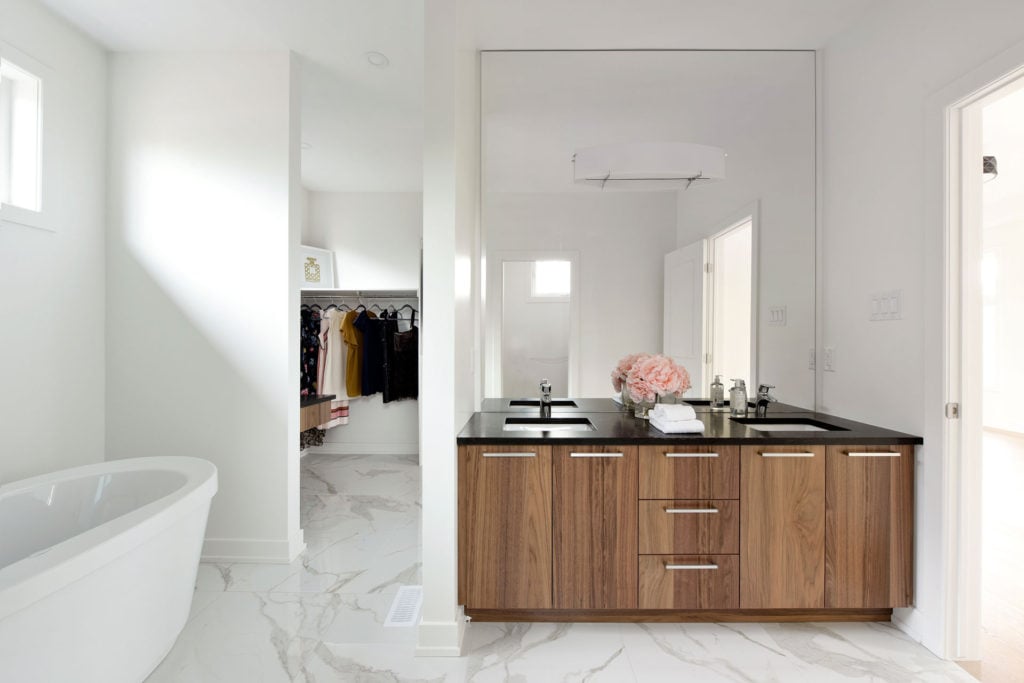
(545, 398)
(764, 397)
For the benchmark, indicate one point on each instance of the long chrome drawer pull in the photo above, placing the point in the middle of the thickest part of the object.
(595, 455)
(691, 511)
(691, 455)
(691, 566)
(884, 454)
(510, 455)
(787, 455)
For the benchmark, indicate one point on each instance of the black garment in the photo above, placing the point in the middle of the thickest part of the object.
(389, 321)
(403, 377)
(309, 342)
(373, 352)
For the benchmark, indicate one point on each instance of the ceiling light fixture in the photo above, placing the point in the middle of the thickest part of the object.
(648, 165)
(378, 59)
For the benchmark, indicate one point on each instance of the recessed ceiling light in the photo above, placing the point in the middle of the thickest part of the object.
(378, 59)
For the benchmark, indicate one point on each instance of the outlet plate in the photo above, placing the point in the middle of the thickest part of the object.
(829, 361)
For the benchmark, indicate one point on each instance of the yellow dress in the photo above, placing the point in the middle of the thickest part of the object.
(354, 361)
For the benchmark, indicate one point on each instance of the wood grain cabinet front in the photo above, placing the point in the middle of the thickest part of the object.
(689, 526)
(685, 582)
(782, 527)
(689, 472)
(505, 527)
(594, 512)
(869, 520)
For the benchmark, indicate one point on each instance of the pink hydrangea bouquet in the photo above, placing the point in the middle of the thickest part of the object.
(621, 372)
(653, 376)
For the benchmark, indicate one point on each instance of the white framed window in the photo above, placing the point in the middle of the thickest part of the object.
(551, 281)
(21, 138)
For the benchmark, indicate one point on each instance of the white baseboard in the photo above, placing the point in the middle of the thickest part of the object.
(441, 638)
(377, 448)
(268, 551)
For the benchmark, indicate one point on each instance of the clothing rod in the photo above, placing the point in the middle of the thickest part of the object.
(361, 293)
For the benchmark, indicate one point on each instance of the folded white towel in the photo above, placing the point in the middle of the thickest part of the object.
(673, 412)
(678, 426)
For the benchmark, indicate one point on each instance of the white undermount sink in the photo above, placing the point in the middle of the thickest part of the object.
(548, 424)
(786, 427)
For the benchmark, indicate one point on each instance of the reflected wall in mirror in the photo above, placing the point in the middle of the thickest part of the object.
(719, 275)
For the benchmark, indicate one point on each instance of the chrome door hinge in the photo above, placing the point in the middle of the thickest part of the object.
(708, 268)
(953, 411)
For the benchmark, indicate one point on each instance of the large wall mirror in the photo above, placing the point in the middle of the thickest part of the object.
(718, 273)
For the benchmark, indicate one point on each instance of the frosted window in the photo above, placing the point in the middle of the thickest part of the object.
(552, 278)
(20, 109)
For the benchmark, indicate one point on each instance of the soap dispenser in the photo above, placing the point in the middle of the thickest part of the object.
(717, 393)
(738, 398)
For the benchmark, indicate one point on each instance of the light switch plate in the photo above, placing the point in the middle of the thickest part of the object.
(811, 360)
(886, 306)
(777, 316)
(830, 359)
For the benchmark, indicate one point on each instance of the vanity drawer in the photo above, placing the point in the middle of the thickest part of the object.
(689, 582)
(689, 526)
(689, 472)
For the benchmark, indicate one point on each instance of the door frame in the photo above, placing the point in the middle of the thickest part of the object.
(494, 312)
(953, 256)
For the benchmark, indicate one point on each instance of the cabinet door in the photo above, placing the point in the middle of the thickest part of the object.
(782, 527)
(505, 527)
(595, 527)
(869, 514)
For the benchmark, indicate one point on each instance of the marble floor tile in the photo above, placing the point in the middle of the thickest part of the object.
(321, 618)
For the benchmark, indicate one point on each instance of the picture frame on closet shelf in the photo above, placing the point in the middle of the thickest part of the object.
(316, 268)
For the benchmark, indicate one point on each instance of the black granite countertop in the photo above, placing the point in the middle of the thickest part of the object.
(307, 401)
(619, 426)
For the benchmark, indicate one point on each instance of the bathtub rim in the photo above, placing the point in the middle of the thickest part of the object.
(33, 578)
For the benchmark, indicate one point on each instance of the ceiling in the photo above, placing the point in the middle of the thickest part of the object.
(363, 124)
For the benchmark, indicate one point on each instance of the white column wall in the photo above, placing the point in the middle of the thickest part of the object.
(201, 326)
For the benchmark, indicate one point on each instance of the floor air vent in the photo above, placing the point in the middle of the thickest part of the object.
(405, 610)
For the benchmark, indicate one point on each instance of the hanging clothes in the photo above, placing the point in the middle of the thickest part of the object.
(372, 369)
(354, 356)
(403, 352)
(333, 371)
(309, 339)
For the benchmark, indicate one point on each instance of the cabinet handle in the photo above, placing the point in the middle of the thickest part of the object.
(510, 455)
(595, 455)
(691, 511)
(691, 455)
(787, 455)
(673, 567)
(882, 454)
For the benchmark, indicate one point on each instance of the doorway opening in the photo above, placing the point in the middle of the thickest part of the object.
(988, 329)
(730, 303)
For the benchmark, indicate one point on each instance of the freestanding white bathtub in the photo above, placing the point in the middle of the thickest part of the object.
(97, 568)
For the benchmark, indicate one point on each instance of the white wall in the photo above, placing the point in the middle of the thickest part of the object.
(204, 214)
(52, 283)
(375, 237)
(878, 78)
(622, 239)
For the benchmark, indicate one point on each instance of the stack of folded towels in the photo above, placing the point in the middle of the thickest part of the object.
(676, 418)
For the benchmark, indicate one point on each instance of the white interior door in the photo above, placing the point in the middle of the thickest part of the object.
(684, 312)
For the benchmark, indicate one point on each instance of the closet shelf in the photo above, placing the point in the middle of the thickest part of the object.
(360, 293)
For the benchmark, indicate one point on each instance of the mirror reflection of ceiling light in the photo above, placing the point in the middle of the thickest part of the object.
(648, 165)
(378, 59)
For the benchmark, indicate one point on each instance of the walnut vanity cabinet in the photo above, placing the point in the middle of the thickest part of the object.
(595, 527)
(782, 522)
(505, 527)
(869, 517)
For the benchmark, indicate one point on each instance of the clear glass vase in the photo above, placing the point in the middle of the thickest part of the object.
(627, 400)
(642, 409)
